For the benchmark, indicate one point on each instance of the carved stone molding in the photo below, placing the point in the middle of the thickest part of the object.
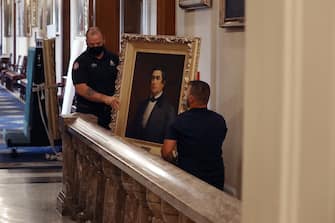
(131, 204)
(144, 214)
(65, 197)
(154, 203)
(114, 201)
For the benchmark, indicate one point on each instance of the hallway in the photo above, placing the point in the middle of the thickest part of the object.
(29, 195)
(29, 183)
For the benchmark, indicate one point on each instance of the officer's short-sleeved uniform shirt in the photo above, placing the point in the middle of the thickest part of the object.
(98, 74)
(199, 133)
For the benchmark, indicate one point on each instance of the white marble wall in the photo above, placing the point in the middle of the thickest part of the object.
(221, 64)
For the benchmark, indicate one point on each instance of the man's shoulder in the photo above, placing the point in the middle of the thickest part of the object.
(83, 57)
(207, 113)
(112, 56)
(216, 115)
(184, 115)
(218, 119)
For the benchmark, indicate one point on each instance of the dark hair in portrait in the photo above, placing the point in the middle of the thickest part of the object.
(171, 67)
(162, 69)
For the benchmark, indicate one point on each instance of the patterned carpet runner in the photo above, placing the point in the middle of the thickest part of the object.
(11, 111)
(12, 118)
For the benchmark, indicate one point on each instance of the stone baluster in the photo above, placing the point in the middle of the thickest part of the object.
(169, 213)
(184, 219)
(93, 204)
(82, 181)
(115, 195)
(89, 186)
(99, 189)
(77, 179)
(65, 199)
(144, 214)
(132, 204)
(154, 203)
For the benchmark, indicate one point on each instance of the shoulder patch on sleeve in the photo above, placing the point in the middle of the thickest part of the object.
(75, 66)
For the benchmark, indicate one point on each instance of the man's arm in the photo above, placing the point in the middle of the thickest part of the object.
(85, 91)
(167, 149)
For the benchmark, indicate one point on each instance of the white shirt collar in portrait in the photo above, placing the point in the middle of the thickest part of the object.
(149, 109)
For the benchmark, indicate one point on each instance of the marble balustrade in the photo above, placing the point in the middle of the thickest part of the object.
(107, 179)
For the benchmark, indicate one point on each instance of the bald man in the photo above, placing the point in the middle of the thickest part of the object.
(94, 73)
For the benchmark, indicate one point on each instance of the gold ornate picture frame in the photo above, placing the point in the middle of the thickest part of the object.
(231, 13)
(140, 54)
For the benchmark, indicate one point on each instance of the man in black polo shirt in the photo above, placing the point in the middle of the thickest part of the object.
(94, 73)
(198, 134)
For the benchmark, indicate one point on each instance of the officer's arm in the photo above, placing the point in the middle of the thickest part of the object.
(85, 91)
(168, 148)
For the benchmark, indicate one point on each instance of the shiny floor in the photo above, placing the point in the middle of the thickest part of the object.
(29, 195)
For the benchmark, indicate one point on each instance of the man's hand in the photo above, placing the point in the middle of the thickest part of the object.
(92, 95)
(167, 149)
(112, 101)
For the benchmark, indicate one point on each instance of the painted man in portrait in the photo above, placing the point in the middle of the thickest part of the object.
(155, 113)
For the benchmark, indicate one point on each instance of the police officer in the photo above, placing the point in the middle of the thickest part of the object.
(94, 73)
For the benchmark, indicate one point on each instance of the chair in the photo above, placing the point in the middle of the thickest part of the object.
(5, 63)
(17, 72)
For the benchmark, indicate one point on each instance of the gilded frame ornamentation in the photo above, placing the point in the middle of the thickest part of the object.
(139, 53)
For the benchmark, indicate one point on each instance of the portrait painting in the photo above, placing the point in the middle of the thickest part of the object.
(232, 13)
(82, 7)
(57, 15)
(49, 12)
(8, 18)
(23, 19)
(34, 12)
(153, 75)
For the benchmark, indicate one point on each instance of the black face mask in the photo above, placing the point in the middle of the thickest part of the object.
(95, 51)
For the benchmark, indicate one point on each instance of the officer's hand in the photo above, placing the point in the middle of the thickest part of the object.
(113, 102)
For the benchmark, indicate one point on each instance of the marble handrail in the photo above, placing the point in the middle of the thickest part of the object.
(186, 193)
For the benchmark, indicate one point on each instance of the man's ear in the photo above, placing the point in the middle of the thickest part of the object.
(191, 99)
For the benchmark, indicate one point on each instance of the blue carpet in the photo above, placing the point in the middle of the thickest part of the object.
(26, 154)
(12, 118)
(11, 111)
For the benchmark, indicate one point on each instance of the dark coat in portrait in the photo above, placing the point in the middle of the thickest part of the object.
(162, 115)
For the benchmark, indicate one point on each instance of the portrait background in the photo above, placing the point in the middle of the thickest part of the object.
(145, 62)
